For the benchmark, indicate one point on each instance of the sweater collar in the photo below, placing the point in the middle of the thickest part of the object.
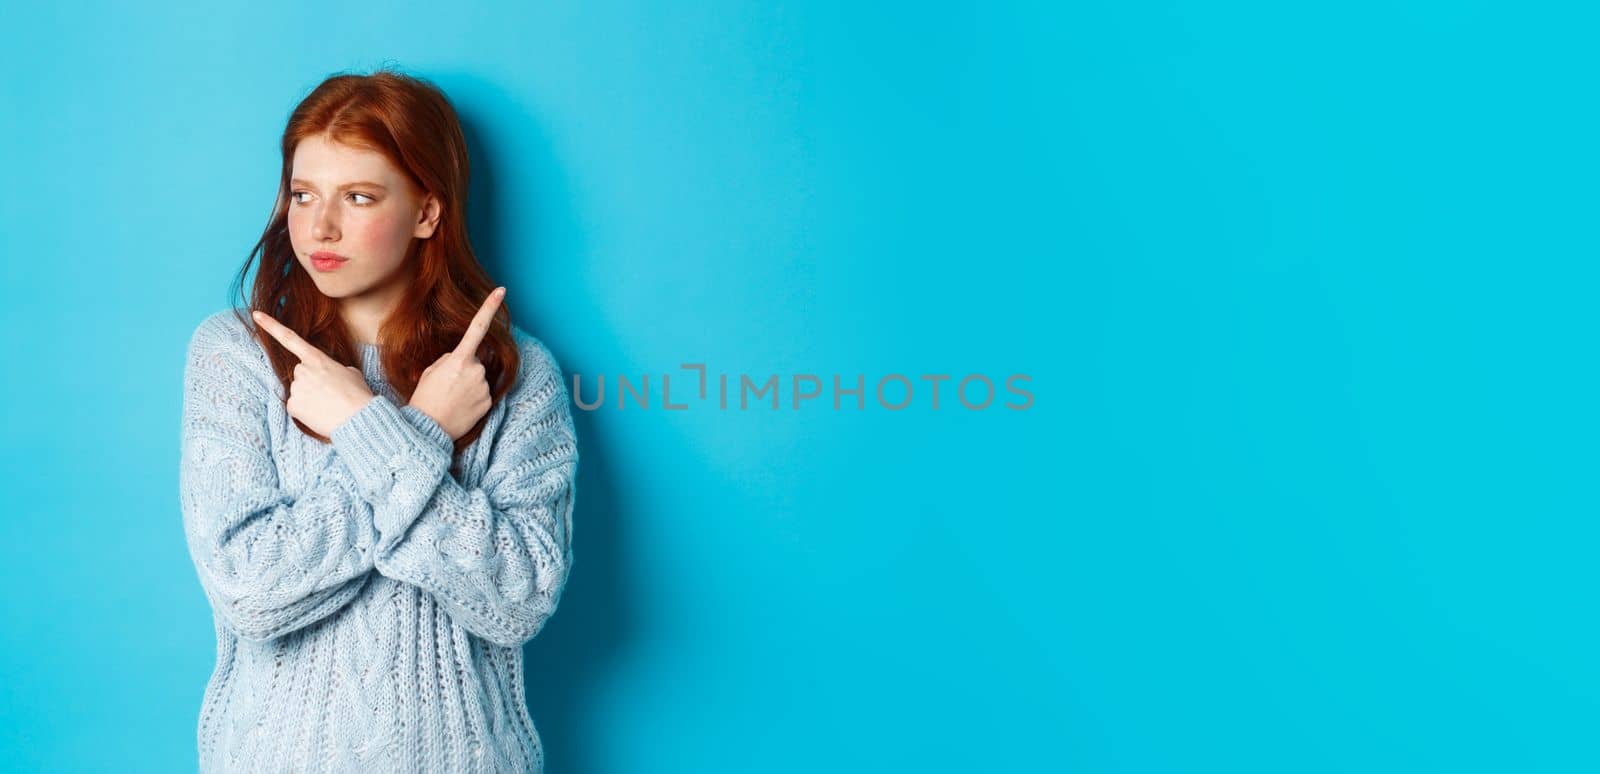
(371, 360)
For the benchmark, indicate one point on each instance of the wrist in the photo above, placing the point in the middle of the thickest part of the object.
(351, 411)
(428, 424)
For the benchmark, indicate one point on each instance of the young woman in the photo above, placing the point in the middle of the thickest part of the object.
(377, 474)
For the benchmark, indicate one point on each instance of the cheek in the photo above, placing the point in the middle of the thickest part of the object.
(300, 236)
(302, 223)
(388, 231)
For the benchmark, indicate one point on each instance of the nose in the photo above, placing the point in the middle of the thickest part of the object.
(326, 225)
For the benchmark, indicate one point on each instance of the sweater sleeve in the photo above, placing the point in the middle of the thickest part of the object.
(496, 557)
(270, 562)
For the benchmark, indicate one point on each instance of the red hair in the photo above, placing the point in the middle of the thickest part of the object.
(412, 123)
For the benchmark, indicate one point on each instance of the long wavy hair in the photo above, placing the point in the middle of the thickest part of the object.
(411, 122)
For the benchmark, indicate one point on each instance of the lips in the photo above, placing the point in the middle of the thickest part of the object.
(322, 260)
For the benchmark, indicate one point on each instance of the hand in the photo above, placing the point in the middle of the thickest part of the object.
(454, 390)
(324, 392)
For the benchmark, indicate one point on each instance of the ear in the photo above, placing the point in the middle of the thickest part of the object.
(428, 218)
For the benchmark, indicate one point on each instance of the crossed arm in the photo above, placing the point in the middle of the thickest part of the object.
(495, 556)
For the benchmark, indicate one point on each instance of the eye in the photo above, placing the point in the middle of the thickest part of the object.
(364, 196)
(293, 195)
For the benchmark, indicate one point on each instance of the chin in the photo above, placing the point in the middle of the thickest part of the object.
(330, 289)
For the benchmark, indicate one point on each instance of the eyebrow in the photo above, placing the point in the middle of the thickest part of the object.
(356, 184)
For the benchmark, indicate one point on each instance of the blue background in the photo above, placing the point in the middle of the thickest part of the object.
(1305, 293)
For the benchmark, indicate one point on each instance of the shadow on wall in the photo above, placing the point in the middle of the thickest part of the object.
(566, 662)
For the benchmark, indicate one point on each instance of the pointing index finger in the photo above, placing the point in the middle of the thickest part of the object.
(479, 327)
(288, 338)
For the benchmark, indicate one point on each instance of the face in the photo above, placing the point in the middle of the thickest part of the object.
(354, 203)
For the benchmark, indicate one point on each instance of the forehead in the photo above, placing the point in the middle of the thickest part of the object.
(316, 158)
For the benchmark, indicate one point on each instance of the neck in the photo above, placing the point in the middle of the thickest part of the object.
(365, 314)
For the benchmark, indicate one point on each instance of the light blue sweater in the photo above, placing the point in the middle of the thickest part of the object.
(371, 597)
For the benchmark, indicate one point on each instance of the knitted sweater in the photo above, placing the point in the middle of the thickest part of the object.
(371, 596)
